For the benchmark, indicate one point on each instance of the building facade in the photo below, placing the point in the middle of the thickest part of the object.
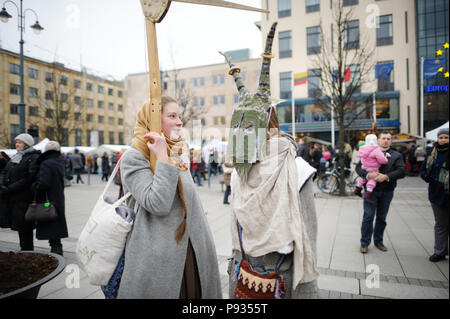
(60, 103)
(207, 91)
(392, 29)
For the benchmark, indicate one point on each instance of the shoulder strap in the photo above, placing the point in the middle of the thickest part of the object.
(239, 229)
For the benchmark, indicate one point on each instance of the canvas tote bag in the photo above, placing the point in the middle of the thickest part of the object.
(102, 240)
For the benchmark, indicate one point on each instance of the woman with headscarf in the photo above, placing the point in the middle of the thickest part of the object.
(434, 171)
(19, 175)
(170, 252)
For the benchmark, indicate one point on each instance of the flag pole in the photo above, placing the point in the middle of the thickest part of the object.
(421, 96)
(293, 106)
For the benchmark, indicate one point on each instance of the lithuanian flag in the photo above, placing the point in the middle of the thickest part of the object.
(300, 78)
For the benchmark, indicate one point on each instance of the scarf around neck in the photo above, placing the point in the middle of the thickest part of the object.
(267, 206)
(16, 158)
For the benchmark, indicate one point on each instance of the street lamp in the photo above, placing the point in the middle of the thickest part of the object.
(37, 28)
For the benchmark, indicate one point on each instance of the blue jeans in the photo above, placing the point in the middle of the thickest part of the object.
(379, 209)
(196, 173)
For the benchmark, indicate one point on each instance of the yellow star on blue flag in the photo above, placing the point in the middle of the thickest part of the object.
(445, 45)
(439, 52)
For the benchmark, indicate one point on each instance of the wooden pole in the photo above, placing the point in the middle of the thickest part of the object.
(155, 83)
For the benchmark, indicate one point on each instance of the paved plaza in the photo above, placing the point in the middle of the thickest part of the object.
(404, 270)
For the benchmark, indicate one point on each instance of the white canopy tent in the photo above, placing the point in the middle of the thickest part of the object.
(432, 135)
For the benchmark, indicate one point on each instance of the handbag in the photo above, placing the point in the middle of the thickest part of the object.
(102, 240)
(41, 212)
(252, 284)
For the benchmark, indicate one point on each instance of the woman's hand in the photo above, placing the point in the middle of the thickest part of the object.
(157, 145)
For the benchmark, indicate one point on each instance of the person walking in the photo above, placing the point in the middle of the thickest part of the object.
(434, 171)
(5, 221)
(195, 166)
(50, 184)
(227, 171)
(170, 252)
(77, 165)
(382, 195)
(316, 156)
(303, 150)
(105, 167)
(19, 174)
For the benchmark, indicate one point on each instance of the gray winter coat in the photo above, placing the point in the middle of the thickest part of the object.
(154, 261)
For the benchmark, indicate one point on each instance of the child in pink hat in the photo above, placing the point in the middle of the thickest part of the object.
(371, 160)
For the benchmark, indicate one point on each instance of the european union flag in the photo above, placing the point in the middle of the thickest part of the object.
(383, 70)
(431, 67)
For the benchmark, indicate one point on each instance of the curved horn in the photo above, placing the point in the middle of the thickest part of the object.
(234, 71)
(264, 79)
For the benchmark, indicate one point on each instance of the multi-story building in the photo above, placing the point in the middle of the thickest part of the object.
(60, 102)
(208, 90)
(399, 32)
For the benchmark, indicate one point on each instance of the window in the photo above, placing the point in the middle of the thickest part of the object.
(407, 73)
(89, 86)
(49, 114)
(119, 93)
(14, 68)
(406, 26)
(32, 92)
(101, 119)
(100, 104)
(100, 89)
(384, 30)
(180, 84)
(77, 116)
(121, 138)
(77, 85)
(77, 100)
(49, 95)
(355, 79)
(33, 111)
(14, 89)
(111, 120)
(218, 79)
(32, 73)
(89, 102)
(120, 121)
(101, 138)
(218, 99)
(111, 106)
(48, 77)
(89, 117)
(386, 84)
(219, 120)
(314, 85)
(110, 92)
(111, 137)
(119, 107)
(64, 97)
(14, 109)
(50, 132)
(285, 44)
(236, 98)
(350, 3)
(313, 40)
(351, 35)
(64, 115)
(63, 80)
(312, 5)
(285, 85)
(78, 137)
(198, 82)
(284, 8)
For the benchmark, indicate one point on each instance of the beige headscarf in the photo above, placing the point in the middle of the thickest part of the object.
(175, 149)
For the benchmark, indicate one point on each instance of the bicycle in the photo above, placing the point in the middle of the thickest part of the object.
(329, 181)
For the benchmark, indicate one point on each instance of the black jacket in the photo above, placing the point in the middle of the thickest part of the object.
(394, 169)
(18, 178)
(436, 192)
(50, 181)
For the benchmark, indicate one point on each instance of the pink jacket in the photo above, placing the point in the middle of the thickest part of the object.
(371, 157)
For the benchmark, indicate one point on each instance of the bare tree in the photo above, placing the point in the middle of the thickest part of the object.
(59, 107)
(339, 51)
(5, 136)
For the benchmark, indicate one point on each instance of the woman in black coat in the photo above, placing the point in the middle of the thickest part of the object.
(435, 171)
(18, 175)
(50, 182)
(105, 167)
